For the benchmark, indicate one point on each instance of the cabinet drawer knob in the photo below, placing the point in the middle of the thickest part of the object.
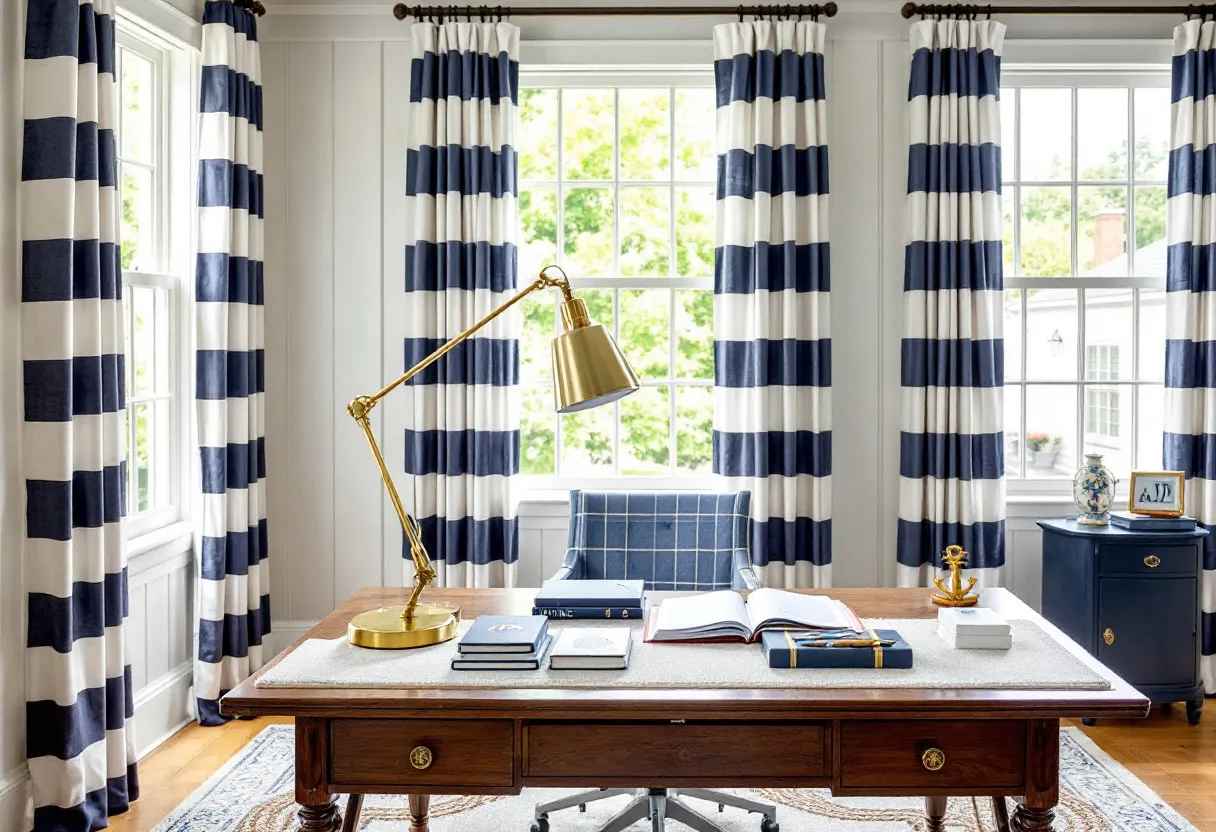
(1152, 561)
(933, 759)
(421, 757)
(1109, 636)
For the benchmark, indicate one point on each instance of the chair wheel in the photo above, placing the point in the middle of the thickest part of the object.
(769, 825)
(1089, 722)
(541, 825)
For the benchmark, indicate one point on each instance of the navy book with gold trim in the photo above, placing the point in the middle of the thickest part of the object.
(504, 634)
(808, 648)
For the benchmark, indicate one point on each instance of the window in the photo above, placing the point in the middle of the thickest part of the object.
(617, 185)
(1084, 165)
(151, 275)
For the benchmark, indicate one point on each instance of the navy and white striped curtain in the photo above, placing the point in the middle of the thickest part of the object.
(772, 345)
(952, 465)
(77, 677)
(1190, 349)
(462, 428)
(234, 566)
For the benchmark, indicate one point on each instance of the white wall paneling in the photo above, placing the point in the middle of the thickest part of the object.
(336, 108)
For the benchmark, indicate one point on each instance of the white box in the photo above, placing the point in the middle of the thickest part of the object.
(972, 642)
(972, 621)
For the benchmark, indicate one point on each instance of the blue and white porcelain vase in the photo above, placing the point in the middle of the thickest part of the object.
(1093, 490)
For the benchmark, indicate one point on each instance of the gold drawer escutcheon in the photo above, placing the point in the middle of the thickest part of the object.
(933, 759)
(421, 757)
(1152, 561)
(1109, 636)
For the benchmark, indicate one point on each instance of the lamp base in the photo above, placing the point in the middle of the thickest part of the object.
(386, 629)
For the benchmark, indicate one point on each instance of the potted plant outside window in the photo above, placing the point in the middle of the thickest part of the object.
(1043, 449)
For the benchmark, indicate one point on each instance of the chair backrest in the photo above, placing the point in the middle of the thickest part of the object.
(671, 540)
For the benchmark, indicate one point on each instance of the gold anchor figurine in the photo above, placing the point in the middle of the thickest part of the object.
(954, 595)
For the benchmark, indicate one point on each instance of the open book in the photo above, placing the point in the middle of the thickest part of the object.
(725, 616)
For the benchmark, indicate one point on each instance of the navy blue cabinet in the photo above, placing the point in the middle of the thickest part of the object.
(1132, 600)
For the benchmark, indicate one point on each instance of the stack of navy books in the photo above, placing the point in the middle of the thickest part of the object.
(504, 642)
(590, 599)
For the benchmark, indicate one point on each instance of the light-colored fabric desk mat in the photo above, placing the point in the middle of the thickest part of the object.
(1035, 662)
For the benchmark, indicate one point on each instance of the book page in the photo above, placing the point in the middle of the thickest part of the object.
(773, 606)
(699, 613)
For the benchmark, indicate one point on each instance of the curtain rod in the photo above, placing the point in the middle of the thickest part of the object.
(401, 11)
(913, 9)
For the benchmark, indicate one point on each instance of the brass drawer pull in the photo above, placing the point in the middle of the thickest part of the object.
(1152, 561)
(933, 759)
(421, 757)
(1109, 636)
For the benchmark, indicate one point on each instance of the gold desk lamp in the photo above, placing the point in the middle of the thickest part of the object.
(588, 371)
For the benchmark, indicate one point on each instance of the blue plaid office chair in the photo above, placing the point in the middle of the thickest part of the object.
(672, 541)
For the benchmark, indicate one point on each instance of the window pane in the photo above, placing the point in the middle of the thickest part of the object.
(539, 315)
(1051, 335)
(1009, 144)
(695, 333)
(1051, 431)
(1009, 208)
(1150, 231)
(1046, 231)
(1150, 416)
(149, 461)
(587, 130)
(696, 123)
(694, 430)
(646, 330)
(1152, 335)
(588, 229)
(599, 307)
(1013, 431)
(645, 231)
(645, 138)
(587, 442)
(1108, 334)
(149, 343)
(537, 136)
(1013, 334)
(537, 421)
(1102, 231)
(695, 232)
(138, 108)
(1102, 133)
(138, 224)
(1046, 135)
(537, 231)
(1108, 425)
(1152, 152)
(646, 432)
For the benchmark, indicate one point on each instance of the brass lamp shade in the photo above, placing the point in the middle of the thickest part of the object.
(588, 367)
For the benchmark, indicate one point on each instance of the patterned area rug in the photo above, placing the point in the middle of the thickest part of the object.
(253, 793)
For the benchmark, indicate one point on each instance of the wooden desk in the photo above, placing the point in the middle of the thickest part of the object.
(855, 742)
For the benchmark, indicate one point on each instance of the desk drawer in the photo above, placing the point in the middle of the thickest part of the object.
(888, 754)
(1148, 560)
(465, 752)
(637, 751)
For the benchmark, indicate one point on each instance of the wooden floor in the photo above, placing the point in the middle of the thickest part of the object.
(1176, 760)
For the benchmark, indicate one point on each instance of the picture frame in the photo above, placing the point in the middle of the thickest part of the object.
(1157, 493)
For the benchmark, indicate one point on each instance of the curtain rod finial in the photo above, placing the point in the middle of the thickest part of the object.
(830, 9)
(908, 10)
(401, 11)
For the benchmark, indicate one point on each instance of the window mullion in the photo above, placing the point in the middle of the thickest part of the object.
(558, 439)
(616, 263)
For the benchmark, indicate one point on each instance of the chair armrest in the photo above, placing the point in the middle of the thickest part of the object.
(744, 576)
(571, 568)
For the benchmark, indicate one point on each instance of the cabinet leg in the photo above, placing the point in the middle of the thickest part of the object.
(1194, 711)
(935, 814)
(420, 812)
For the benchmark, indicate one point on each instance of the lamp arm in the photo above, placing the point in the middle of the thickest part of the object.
(361, 407)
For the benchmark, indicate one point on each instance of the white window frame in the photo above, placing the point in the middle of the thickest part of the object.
(167, 532)
(1072, 77)
(593, 77)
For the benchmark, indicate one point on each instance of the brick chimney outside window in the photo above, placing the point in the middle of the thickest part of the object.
(1108, 235)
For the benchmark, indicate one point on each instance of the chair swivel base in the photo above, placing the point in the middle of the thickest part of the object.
(659, 805)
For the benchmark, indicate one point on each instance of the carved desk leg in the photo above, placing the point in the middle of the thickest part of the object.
(420, 813)
(935, 814)
(1036, 811)
(318, 808)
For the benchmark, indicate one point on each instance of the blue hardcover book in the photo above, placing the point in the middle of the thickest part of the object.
(602, 613)
(563, 594)
(807, 648)
(503, 661)
(1144, 523)
(504, 634)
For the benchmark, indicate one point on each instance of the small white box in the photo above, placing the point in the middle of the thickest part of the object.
(974, 642)
(972, 621)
